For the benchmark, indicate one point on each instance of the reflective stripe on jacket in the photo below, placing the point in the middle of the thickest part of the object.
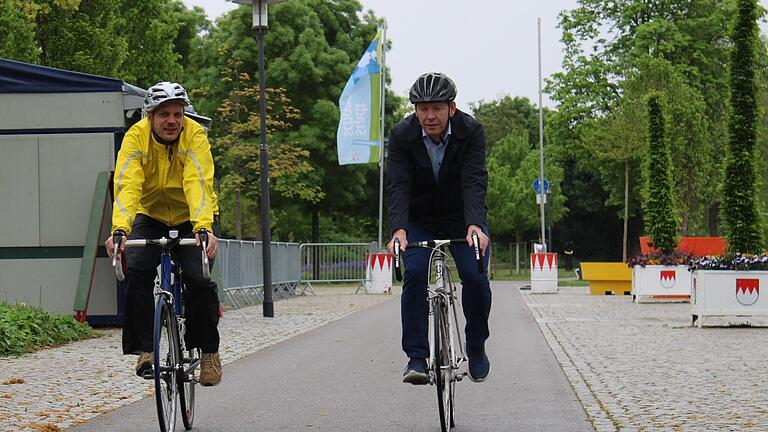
(172, 189)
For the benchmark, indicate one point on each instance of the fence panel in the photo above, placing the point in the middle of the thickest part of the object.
(239, 263)
(333, 262)
(242, 279)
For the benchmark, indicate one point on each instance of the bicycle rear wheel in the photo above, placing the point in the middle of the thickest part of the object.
(165, 361)
(187, 382)
(443, 368)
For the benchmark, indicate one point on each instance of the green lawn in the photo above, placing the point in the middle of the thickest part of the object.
(506, 274)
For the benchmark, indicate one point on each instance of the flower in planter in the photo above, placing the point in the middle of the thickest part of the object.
(674, 258)
(731, 261)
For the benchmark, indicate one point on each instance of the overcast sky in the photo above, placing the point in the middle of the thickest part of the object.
(488, 47)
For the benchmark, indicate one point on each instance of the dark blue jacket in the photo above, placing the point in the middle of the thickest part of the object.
(457, 199)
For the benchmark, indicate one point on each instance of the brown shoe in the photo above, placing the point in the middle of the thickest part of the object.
(144, 364)
(210, 369)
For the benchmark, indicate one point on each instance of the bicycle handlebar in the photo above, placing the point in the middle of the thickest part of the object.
(436, 244)
(117, 261)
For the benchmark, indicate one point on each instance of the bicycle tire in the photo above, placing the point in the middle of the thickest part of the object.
(187, 383)
(442, 366)
(165, 361)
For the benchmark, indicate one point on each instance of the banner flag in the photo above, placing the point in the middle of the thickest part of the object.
(358, 138)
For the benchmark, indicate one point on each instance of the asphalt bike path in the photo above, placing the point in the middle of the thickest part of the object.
(346, 377)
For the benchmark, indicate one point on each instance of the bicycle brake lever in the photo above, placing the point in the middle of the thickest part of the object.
(117, 262)
(478, 258)
(396, 247)
(203, 233)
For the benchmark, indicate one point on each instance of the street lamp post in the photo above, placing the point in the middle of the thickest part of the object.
(260, 25)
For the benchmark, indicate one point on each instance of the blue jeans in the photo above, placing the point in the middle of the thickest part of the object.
(414, 307)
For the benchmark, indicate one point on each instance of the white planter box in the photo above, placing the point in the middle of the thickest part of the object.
(543, 273)
(661, 283)
(378, 278)
(728, 293)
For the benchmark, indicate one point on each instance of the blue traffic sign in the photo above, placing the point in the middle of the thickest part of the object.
(537, 186)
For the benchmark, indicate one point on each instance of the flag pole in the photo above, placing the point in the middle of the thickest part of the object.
(381, 134)
(542, 192)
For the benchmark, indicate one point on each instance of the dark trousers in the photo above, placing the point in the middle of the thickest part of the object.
(202, 300)
(414, 307)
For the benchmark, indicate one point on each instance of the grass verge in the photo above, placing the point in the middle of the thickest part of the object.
(26, 329)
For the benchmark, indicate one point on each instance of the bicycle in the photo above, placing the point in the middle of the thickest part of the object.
(172, 371)
(445, 360)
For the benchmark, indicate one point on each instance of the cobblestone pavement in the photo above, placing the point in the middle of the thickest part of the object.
(53, 389)
(642, 367)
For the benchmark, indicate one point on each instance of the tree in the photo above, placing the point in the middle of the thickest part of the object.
(615, 142)
(500, 116)
(83, 37)
(236, 147)
(693, 159)
(192, 23)
(17, 34)
(512, 167)
(611, 42)
(311, 49)
(657, 192)
(743, 222)
(150, 29)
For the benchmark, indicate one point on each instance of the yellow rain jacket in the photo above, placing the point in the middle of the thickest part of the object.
(172, 189)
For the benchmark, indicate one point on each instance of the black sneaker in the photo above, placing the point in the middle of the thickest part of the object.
(479, 367)
(416, 372)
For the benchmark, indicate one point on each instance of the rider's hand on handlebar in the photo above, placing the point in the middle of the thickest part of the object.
(400, 235)
(110, 243)
(211, 248)
(480, 235)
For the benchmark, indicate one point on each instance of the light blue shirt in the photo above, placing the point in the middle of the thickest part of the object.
(436, 151)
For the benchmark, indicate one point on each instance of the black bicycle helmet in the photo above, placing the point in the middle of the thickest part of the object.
(432, 87)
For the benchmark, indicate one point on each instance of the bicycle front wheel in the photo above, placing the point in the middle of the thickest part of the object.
(165, 364)
(443, 367)
(187, 381)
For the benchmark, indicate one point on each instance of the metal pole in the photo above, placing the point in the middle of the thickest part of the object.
(266, 235)
(542, 193)
(383, 42)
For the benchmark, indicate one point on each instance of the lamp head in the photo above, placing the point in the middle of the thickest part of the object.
(259, 11)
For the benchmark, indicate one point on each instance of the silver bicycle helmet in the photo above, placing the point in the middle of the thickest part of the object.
(432, 87)
(163, 92)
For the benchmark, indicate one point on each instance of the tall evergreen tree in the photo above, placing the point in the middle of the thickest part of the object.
(658, 210)
(743, 221)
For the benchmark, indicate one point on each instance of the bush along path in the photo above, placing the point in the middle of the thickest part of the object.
(26, 329)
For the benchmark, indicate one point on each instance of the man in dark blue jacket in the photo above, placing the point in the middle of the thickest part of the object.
(437, 180)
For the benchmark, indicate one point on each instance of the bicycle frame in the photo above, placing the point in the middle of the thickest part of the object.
(443, 318)
(443, 287)
(175, 376)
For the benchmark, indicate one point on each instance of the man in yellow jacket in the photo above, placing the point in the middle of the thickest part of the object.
(164, 180)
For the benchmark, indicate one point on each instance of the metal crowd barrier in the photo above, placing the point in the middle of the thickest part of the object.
(239, 268)
(333, 262)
